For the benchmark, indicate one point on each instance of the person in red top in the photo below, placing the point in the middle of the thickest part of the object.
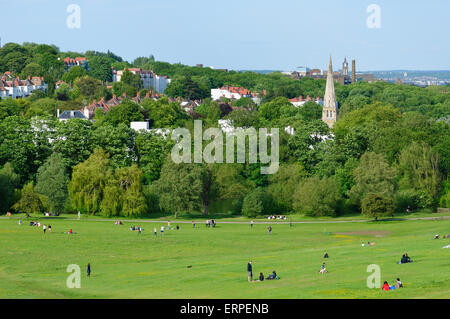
(70, 231)
(385, 286)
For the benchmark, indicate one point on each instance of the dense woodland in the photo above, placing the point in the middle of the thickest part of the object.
(390, 151)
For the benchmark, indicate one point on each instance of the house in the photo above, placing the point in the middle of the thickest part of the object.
(78, 61)
(299, 101)
(149, 79)
(68, 115)
(14, 87)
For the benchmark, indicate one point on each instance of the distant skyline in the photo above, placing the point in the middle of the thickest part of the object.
(245, 34)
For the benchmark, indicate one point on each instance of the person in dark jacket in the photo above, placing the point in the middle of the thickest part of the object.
(261, 276)
(250, 271)
(89, 270)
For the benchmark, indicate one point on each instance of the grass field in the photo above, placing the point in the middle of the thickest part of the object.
(127, 265)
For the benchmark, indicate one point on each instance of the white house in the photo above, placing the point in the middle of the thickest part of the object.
(149, 79)
(14, 87)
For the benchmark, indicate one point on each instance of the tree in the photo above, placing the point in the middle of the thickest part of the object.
(419, 170)
(87, 86)
(74, 73)
(377, 205)
(307, 143)
(128, 111)
(180, 187)
(373, 175)
(117, 141)
(283, 184)
(254, 203)
(100, 68)
(134, 202)
(123, 194)
(87, 187)
(187, 88)
(151, 150)
(32, 69)
(73, 140)
(277, 108)
(317, 196)
(52, 182)
(134, 80)
(24, 145)
(30, 201)
(163, 114)
(9, 181)
(311, 111)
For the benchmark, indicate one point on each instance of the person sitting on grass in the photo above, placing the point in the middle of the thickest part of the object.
(272, 276)
(323, 270)
(436, 236)
(385, 286)
(405, 259)
(326, 255)
(398, 284)
(261, 276)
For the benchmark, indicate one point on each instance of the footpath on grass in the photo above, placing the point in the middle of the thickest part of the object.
(278, 222)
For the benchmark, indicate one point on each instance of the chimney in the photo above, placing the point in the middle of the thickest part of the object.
(353, 71)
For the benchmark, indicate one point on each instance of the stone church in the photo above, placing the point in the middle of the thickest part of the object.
(330, 106)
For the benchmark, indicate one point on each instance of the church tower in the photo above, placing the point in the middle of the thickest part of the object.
(345, 67)
(329, 112)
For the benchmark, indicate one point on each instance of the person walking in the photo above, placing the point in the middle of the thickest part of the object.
(89, 270)
(251, 224)
(193, 224)
(162, 230)
(44, 228)
(79, 215)
(270, 229)
(250, 271)
(155, 232)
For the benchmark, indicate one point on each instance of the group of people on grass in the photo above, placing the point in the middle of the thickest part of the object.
(38, 224)
(272, 276)
(139, 229)
(387, 287)
(277, 217)
(210, 223)
(437, 236)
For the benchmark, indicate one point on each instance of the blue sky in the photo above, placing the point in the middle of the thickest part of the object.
(243, 34)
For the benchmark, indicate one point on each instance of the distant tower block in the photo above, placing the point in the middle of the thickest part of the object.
(329, 111)
(345, 67)
(353, 71)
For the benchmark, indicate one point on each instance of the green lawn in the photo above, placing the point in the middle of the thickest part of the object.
(128, 265)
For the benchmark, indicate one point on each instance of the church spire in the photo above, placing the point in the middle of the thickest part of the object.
(329, 112)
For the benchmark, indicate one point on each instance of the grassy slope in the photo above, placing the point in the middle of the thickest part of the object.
(128, 265)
